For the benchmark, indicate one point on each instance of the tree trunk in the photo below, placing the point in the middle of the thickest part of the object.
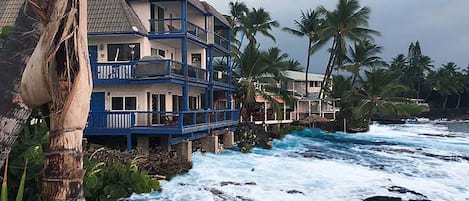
(13, 58)
(446, 100)
(59, 72)
(307, 66)
(418, 87)
(459, 101)
(330, 65)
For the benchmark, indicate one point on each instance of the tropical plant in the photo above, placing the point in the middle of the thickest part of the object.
(363, 54)
(378, 90)
(259, 74)
(349, 21)
(294, 65)
(257, 21)
(308, 26)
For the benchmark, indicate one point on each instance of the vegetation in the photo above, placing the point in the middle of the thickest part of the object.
(102, 181)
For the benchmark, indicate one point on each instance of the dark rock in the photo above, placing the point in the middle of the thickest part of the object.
(225, 183)
(216, 191)
(383, 198)
(312, 155)
(294, 192)
(439, 135)
(244, 198)
(250, 183)
(403, 190)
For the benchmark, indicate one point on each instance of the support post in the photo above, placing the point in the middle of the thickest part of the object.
(164, 144)
(228, 139)
(129, 142)
(210, 144)
(143, 144)
(184, 150)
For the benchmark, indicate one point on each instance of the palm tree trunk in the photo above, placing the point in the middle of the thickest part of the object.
(13, 58)
(418, 87)
(307, 66)
(459, 101)
(330, 65)
(59, 71)
(446, 100)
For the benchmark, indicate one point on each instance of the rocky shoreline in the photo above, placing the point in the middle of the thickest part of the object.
(158, 163)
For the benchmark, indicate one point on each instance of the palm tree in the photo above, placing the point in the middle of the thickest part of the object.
(255, 67)
(363, 54)
(257, 21)
(348, 21)
(58, 73)
(445, 82)
(294, 65)
(423, 67)
(398, 64)
(308, 25)
(378, 90)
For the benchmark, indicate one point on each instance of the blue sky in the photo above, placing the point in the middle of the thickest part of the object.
(441, 26)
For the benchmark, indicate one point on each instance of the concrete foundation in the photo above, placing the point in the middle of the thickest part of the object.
(228, 139)
(184, 150)
(165, 146)
(210, 144)
(143, 144)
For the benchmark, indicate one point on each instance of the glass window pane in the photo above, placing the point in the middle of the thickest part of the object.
(130, 103)
(117, 103)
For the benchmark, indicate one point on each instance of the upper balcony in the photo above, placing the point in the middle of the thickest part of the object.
(171, 27)
(121, 72)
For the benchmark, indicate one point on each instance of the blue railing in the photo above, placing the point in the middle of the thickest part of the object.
(168, 25)
(159, 119)
(197, 31)
(221, 41)
(197, 73)
(146, 69)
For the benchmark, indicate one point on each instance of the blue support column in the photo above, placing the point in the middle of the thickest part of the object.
(210, 69)
(185, 88)
(129, 142)
(184, 16)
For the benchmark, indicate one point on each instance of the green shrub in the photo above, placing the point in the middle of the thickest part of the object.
(110, 182)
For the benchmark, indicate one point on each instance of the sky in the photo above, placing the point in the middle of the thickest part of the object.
(441, 26)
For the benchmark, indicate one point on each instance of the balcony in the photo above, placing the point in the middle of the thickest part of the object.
(221, 42)
(166, 28)
(117, 72)
(221, 78)
(160, 122)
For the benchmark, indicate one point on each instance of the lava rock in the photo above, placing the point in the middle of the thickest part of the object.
(403, 190)
(225, 183)
(251, 183)
(383, 198)
(294, 192)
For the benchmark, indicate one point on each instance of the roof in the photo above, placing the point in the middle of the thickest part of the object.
(300, 76)
(112, 16)
(9, 11)
(103, 15)
(210, 9)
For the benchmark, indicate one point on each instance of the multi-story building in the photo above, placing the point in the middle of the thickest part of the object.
(153, 70)
(152, 64)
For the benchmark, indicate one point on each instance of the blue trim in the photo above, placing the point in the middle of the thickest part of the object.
(117, 33)
(129, 142)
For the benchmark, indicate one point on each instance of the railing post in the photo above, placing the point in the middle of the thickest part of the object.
(169, 68)
(195, 118)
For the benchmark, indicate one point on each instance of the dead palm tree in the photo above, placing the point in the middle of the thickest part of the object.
(309, 24)
(58, 73)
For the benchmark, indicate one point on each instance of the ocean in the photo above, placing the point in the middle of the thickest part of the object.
(422, 161)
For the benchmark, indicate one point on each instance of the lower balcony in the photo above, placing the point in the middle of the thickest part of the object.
(159, 122)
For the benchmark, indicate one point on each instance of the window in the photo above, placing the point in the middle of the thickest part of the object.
(311, 84)
(123, 52)
(154, 51)
(124, 103)
(221, 105)
(192, 103)
(162, 53)
(177, 103)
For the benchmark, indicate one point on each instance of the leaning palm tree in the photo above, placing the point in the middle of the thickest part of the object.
(363, 54)
(377, 89)
(309, 25)
(58, 73)
(348, 21)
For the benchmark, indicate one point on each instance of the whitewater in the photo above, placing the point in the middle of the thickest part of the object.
(427, 161)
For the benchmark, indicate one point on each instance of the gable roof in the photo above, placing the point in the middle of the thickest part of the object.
(210, 9)
(300, 76)
(112, 16)
(9, 10)
(103, 15)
